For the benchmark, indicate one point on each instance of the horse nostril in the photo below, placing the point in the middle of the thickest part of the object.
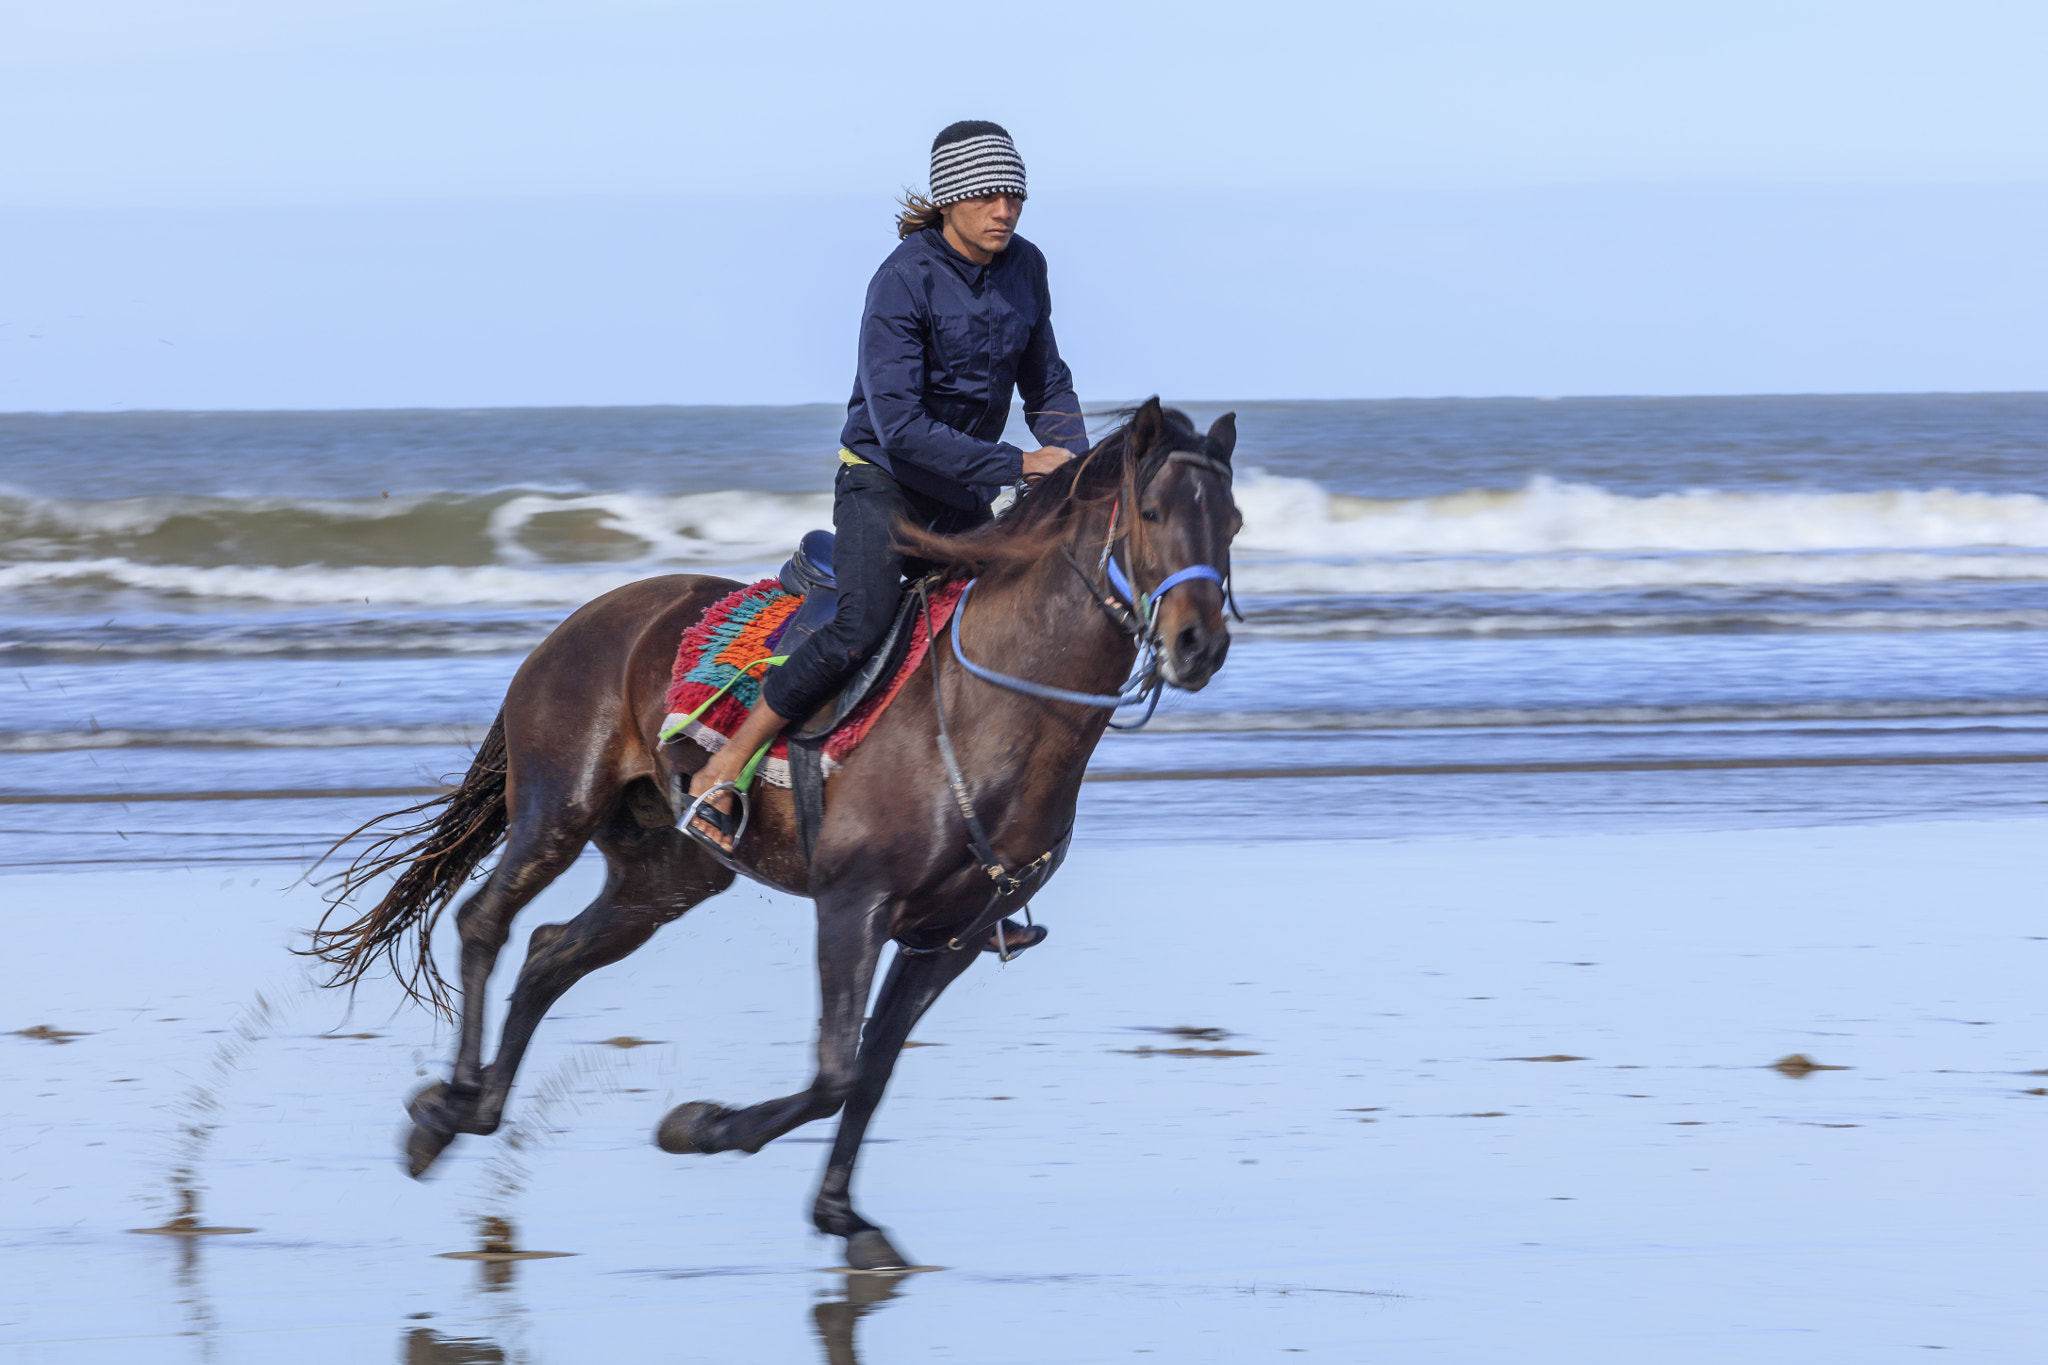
(1188, 643)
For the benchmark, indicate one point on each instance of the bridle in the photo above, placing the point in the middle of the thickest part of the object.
(1133, 611)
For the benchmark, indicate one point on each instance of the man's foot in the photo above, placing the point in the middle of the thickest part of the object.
(717, 821)
(1015, 937)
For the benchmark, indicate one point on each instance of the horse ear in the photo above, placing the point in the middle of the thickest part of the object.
(1148, 423)
(1223, 435)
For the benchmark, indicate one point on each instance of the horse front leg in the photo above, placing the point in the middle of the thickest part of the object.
(914, 982)
(852, 927)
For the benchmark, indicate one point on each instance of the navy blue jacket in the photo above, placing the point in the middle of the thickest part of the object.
(943, 343)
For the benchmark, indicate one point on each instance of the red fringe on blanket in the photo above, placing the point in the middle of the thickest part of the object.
(740, 630)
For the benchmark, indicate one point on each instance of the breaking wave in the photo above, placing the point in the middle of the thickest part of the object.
(505, 527)
(1297, 518)
(1288, 517)
(557, 548)
(317, 584)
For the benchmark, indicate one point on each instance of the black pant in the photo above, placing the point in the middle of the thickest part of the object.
(866, 504)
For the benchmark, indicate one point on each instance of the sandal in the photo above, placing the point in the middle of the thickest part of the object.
(732, 824)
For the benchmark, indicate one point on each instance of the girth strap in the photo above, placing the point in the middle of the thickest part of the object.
(807, 786)
(1007, 882)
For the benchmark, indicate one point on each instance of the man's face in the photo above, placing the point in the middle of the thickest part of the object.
(983, 227)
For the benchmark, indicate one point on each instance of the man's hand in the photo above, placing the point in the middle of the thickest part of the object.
(1045, 460)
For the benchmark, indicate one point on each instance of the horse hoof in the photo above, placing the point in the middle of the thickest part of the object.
(868, 1249)
(423, 1147)
(425, 1104)
(688, 1128)
(441, 1107)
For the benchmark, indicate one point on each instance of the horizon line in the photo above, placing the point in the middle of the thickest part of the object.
(1106, 410)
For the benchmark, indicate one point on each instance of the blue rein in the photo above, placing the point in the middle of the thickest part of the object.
(1148, 603)
(1142, 680)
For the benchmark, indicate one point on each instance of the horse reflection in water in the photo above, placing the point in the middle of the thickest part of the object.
(425, 1346)
(925, 841)
(836, 1321)
(837, 1318)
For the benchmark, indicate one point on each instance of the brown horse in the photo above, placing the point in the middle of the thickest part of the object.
(574, 756)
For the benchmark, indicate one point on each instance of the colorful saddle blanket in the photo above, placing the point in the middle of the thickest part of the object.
(728, 650)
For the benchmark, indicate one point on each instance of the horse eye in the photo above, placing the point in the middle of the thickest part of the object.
(1150, 514)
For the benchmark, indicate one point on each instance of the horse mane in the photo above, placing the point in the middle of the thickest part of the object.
(1042, 517)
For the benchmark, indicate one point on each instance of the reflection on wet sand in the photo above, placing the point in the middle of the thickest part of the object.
(425, 1346)
(196, 1112)
(836, 1319)
(496, 1255)
(1799, 1066)
(201, 1323)
(185, 1223)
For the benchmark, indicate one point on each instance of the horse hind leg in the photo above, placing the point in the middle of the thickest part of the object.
(653, 876)
(533, 857)
(852, 927)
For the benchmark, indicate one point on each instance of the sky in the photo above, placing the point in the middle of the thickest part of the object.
(346, 203)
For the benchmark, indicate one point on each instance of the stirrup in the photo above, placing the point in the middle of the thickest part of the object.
(1006, 947)
(732, 824)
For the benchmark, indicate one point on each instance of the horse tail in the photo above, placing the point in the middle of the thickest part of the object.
(437, 854)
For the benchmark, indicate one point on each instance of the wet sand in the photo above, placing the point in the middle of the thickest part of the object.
(1438, 1100)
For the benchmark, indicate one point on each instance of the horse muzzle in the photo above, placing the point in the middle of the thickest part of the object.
(1190, 656)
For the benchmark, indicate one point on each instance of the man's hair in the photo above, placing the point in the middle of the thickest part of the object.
(916, 213)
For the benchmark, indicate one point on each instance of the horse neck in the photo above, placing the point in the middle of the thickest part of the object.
(1045, 623)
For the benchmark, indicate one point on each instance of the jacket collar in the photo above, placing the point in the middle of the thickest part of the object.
(935, 241)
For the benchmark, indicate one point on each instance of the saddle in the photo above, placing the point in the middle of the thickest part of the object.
(721, 660)
(716, 676)
(808, 575)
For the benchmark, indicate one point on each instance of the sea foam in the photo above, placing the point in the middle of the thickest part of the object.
(1296, 517)
(561, 549)
(1287, 517)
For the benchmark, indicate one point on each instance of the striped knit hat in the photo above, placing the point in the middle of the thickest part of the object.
(974, 158)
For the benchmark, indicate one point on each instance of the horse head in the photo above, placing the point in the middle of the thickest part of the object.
(1181, 521)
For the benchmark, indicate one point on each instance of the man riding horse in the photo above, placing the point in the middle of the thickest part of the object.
(1105, 582)
(957, 318)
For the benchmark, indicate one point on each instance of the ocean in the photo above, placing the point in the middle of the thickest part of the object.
(232, 637)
